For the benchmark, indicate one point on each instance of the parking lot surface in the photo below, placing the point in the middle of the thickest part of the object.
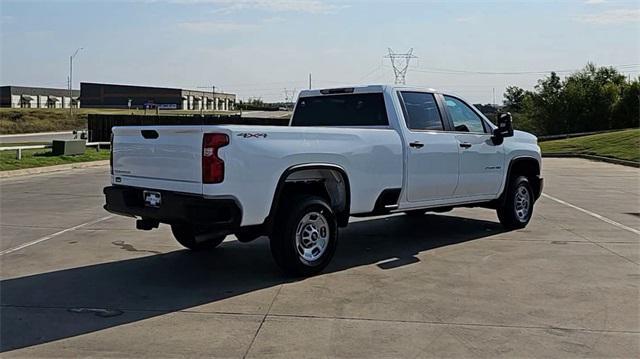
(76, 281)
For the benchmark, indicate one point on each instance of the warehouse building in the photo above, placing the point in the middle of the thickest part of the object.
(99, 95)
(37, 97)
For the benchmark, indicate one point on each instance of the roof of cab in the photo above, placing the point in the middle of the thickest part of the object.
(361, 89)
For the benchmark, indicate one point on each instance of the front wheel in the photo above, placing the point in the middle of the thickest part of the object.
(517, 209)
(305, 236)
(196, 239)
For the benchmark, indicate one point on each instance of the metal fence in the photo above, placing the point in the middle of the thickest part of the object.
(99, 126)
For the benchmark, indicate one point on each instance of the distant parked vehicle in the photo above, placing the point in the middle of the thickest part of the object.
(359, 151)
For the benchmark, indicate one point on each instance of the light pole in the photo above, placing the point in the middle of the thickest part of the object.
(71, 80)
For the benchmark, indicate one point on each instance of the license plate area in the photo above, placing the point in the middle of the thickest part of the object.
(152, 198)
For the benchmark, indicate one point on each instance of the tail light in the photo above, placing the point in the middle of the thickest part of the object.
(111, 153)
(212, 165)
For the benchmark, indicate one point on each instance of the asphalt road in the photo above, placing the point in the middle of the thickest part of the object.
(75, 281)
(47, 137)
(266, 114)
(36, 137)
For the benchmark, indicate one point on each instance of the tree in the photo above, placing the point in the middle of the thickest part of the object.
(626, 112)
(514, 98)
(590, 95)
(594, 98)
(544, 106)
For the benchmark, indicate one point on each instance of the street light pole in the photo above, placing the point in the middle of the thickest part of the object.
(71, 80)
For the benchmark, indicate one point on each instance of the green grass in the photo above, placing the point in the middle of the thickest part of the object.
(43, 157)
(26, 120)
(623, 145)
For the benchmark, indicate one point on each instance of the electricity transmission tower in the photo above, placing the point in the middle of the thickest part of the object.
(400, 63)
(289, 97)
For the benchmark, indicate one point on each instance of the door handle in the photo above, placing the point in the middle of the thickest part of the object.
(465, 144)
(416, 144)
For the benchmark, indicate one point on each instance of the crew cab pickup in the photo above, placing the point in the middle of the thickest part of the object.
(358, 151)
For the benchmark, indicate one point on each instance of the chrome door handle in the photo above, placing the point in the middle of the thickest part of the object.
(465, 144)
(416, 144)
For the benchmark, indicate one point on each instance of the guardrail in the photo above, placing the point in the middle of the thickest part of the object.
(19, 149)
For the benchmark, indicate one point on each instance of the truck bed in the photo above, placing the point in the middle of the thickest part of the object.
(255, 159)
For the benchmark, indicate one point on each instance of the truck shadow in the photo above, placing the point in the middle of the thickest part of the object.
(51, 306)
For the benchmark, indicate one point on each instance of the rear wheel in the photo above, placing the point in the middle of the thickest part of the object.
(196, 239)
(305, 236)
(415, 213)
(517, 209)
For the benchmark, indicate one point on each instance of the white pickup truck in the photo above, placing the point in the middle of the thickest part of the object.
(358, 151)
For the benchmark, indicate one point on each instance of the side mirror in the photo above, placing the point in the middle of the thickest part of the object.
(505, 127)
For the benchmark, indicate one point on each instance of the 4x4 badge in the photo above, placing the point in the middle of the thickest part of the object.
(252, 135)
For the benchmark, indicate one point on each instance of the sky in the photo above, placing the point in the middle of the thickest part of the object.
(266, 49)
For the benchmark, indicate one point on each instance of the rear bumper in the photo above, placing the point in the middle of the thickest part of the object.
(176, 208)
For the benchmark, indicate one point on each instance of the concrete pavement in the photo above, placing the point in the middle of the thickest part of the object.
(449, 285)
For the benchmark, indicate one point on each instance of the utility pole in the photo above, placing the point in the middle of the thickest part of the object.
(309, 80)
(400, 63)
(71, 81)
(286, 98)
(494, 97)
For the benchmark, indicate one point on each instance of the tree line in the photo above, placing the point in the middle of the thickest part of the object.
(592, 99)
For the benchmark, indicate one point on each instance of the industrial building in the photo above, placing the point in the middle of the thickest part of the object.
(99, 95)
(37, 97)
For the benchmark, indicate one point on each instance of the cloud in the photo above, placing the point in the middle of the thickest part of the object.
(216, 27)
(594, 2)
(6, 19)
(617, 16)
(300, 6)
(273, 20)
(465, 19)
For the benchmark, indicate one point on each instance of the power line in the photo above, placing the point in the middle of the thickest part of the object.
(371, 72)
(469, 72)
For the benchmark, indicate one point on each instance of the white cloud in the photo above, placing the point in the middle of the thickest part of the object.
(465, 19)
(594, 2)
(216, 27)
(6, 19)
(617, 16)
(300, 6)
(273, 20)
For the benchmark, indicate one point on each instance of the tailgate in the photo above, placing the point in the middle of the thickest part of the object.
(158, 157)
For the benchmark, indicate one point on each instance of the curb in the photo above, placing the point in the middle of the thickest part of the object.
(49, 169)
(594, 158)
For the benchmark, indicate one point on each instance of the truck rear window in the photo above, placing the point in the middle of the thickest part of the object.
(341, 110)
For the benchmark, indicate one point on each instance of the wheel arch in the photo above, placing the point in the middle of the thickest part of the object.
(527, 166)
(325, 179)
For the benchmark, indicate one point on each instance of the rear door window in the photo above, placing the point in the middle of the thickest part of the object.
(421, 111)
(341, 110)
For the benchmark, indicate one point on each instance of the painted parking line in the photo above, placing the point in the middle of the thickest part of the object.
(46, 238)
(593, 214)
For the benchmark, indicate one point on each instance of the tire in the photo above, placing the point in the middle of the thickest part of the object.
(305, 236)
(247, 237)
(415, 213)
(517, 209)
(195, 239)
